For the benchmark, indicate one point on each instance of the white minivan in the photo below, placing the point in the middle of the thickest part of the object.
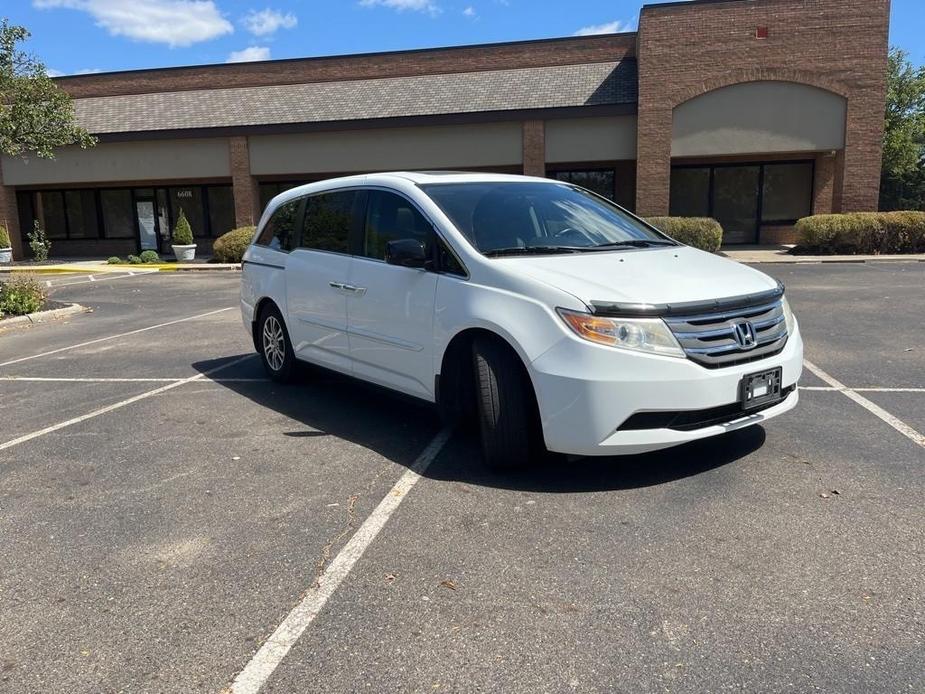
(552, 317)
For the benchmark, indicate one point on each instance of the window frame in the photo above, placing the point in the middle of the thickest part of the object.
(761, 164)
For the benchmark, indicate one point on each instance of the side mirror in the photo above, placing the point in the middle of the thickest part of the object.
(406, 253)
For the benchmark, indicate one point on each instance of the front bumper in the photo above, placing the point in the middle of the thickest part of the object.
(586, 391)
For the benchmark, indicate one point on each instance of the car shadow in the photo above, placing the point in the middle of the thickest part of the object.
(398, 427)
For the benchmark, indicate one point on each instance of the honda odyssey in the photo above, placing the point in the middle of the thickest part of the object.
(551, 316)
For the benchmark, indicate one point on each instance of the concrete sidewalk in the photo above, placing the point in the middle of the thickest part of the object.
(781, 254)
(101, 266)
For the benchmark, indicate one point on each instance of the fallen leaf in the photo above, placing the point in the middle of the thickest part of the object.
(448, 584)
(824, 495)
(836, 492)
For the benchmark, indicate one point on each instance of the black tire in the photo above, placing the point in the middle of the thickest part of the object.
(275, 353)
(508, 424)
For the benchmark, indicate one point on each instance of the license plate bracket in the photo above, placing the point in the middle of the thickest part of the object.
(760, 388)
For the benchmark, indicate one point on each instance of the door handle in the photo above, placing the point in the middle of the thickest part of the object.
(359, 291)
(336, 285)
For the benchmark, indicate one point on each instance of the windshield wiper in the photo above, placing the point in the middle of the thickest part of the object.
(532, 250)
(635, 243)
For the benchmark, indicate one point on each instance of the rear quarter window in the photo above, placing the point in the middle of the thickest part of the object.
(279, 232)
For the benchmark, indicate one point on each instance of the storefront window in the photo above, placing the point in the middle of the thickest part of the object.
(221, 209)
(82, 222)
(118, 215)
(787, 192)
(189, 199)
(690, 192)
(601, 182)
(51, 204)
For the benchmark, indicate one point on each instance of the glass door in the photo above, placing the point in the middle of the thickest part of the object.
(147, 225)
(735, 202)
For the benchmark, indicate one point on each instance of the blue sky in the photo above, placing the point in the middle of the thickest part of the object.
(74, 36)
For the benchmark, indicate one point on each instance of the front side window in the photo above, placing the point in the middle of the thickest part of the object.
(391, 217)
(328, 218)
(280, 229)
(545, 217)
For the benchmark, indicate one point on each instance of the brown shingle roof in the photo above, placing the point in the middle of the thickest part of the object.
(426, 95)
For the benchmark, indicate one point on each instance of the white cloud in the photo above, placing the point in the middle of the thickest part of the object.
(268, 21)
(173, 22)
(51, 72)
(249, 54)
(470, 11)
(428, 6)
(614, 27)
(85, 71)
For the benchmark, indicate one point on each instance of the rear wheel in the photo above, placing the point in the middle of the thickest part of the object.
(274, 345)
(508, 424)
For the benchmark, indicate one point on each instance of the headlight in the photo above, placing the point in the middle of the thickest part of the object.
(640, 334)
(788, 316)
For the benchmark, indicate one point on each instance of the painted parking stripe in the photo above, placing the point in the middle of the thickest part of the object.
(47, 379)
(115, 337)
(830, 389)
(256, 673)
(122, 403)
(871, 407)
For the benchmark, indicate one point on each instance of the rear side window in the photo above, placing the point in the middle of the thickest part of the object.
(390, 217)
(328, 218)
(279, 232)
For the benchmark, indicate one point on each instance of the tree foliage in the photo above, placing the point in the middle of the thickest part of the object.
(902, 182)
(36, 116)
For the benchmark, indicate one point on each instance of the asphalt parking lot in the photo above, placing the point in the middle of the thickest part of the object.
(164, 509)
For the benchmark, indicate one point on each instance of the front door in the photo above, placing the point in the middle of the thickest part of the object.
(390, 309)
(147, 225)
(316, 280)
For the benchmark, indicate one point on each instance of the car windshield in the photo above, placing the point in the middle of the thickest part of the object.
(513, 218)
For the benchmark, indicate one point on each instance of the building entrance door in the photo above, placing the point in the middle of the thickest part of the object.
(147, 225)
(735, 202)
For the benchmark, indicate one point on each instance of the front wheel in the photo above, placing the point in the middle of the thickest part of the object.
(274, 345)
(506, 411)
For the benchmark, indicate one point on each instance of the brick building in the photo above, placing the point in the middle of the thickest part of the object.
(756, 112)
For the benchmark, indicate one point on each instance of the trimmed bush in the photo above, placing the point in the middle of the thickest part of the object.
(134, 260)
(114, 260)
(182, 233)
(21, 295)
(868, 233)
(700, 232)
(230, 247)
(4, 237)
(150, 257)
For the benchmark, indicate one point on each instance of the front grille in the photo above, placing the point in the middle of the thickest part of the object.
(710, 338)
(689, 420)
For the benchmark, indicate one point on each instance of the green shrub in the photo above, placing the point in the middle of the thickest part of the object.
(230, 247)
(150, 257)
(700, 232)
(38, 242)
(182, 233)
(114, 260)
(21, 295)
(4, 237)
(869, 233)
(134, 260)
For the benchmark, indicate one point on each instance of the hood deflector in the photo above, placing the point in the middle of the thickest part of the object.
(625, 310)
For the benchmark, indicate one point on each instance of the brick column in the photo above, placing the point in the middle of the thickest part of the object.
(244, 186)
(653, 160)
(534, 147)
(863, 152)
(9, 216)
(824, 184)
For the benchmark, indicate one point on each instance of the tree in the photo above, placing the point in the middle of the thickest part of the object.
(35, 115)
(902, 181)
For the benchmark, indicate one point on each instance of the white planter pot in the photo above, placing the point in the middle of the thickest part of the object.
(6, 255)
(184, 252)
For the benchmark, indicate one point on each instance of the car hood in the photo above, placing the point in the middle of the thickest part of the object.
(647, 276)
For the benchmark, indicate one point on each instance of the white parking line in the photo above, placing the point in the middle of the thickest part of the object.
(114, 337)
(871, 407)
(271, 653)
(120, 404)
(830, 389)
(45, 379)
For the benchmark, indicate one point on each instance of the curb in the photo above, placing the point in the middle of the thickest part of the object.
(43, 316)
(122, 267)
(821, 260)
